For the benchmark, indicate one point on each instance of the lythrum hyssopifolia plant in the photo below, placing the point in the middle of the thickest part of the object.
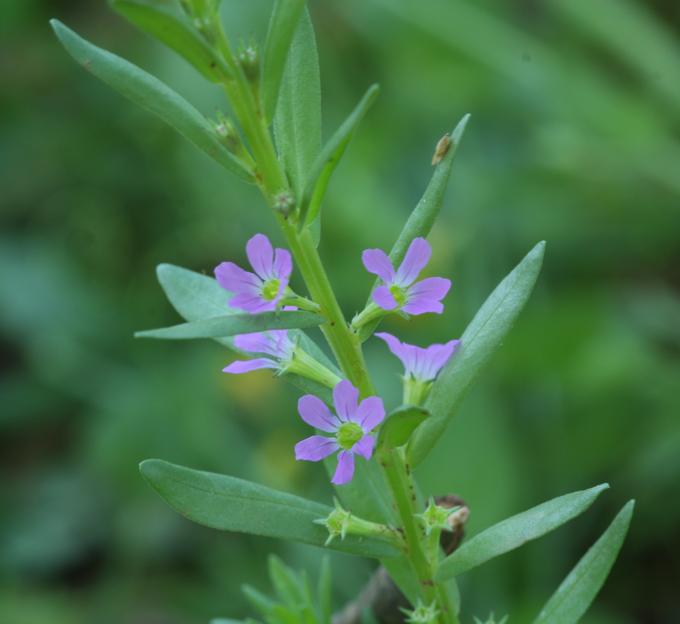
(273, 140)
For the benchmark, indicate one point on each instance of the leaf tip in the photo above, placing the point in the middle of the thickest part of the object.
(460, 128)
(150, 469)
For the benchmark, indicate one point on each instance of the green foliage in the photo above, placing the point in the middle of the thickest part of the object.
(149, 93)
(232, 324)
(482, 337)
(297, 123)
(517, 530)
(400, 425)
(176, 33)
(282, 26)
(573, 597)
(231, 504)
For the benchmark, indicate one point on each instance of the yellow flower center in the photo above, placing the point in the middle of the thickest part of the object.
(349, 434)
(399, 294)
(270, 289)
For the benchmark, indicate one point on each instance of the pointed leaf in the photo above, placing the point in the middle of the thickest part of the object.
(282, 25)
(297, 123)
(481, 339)
(233, 324)
(150, 93)
(400, 425)
(325, 163)
(576, 593)
(516, 531)
(175, 33)
(231, 504)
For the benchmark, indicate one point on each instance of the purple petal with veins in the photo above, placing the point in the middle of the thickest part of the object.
(426, 295)
(378, 262)
(345, 398)
(370, 413)
(423, 364)
(316, 413)
(315, 448)
(238, 367)
(261, 256)
(417, 256)
(384, 298)
(364, 447)
(345, 468)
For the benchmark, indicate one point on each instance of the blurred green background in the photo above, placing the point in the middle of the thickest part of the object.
(574, 138)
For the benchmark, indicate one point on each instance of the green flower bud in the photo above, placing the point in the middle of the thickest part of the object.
(422, 614)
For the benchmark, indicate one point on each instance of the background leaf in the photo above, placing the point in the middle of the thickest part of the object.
(481, 339)
(297, 122)
(573, 597)
(231, 504)
(149, 93)
(517, 530)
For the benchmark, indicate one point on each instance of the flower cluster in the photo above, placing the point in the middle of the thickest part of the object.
(350, 427)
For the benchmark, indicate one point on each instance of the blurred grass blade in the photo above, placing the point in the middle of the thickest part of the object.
(175, 33)
(231, 504)
(576, 593)
(282, 25)
(233, 324)
(324, 591)
(479, 342)
(151, 94)
(328, 159)
(517, 530)
(399, 426)
(425, 213)
(297, 122)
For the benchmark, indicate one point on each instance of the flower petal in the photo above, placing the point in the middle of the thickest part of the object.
(417, 256)
(239, 367)
(345, 469)
(384, 298)
(315, 448)
(283, 265)
(345, 398)
(261, 255)
(397, 347)
(315, 413)
(425, 296)
(253, 303)
(364, 447)
(370, 413)
(378, 262)
(438, 355)
(235, 279)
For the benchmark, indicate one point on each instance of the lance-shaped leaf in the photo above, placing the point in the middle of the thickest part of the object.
(282, 25)
(400, 425)
(479, 342)
(329, 157)
(231, 504)
(233, 324)
(297, 123)
(151, 94)
(175, 33)
(576, 593)
(517, 530)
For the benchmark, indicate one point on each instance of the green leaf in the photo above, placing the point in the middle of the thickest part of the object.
(282, 26)
(422, 218)
(481, 339)
(516, 531)
(576, 593)
(232, 324)
(325, 591)
(297, 122)
(231, 504)
(325, 163)
(151, 94)
(399, 426)
(175, 33)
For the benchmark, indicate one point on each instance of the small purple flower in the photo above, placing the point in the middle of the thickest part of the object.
(400, 291)
(275, 343)
(421, 364)
(260, 291)
(350, 428)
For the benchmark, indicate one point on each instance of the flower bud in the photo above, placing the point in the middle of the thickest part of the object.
(249, 60)
(284, 202)
(341, 522)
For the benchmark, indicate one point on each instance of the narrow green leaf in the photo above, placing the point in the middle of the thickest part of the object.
(149, 93)
(282, 25)
(325, 163)
(260, 602)
(175, 33)
(285, 581)
(481, 339)
(297, 122)
(399, 426)
(325, 591)
(517, 530)
(231, 504)
(425, 213)
(576, 593)
(232, 324)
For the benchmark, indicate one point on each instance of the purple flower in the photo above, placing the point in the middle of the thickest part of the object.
(260, 291)
(421, 364)
(350, 428)
(399, 290)
(275, 343)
